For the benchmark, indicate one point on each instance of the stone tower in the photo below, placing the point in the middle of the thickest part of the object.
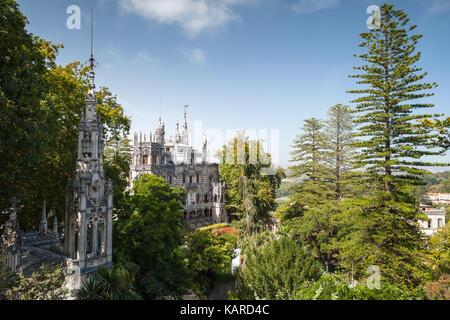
(89, 199)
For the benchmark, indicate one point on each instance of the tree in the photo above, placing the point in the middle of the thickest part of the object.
(310, 153)
(276, 270)
(147, 233)
(440, 251)
(317, 231)
(391, 147)
(117, 160)
(339, 137)
(250, 193)
(208, 257)
(23, 65)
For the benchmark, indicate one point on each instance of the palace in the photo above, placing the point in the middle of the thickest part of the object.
(180, 165)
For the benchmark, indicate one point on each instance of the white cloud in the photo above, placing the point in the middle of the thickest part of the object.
(194, 56)
(112, 51)
(309, 6)
(194, 16)
(143, 55)
(436, 6)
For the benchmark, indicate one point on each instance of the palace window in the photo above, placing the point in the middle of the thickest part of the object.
(145, 159)
(190, 179)
(184, 178)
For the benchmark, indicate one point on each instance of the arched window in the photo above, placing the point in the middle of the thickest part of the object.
(96, 236)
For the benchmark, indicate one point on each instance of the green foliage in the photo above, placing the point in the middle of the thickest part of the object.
(310, 155)
(147, 233)
(276, 270)
(208, 257)
(45, 284)
(3, 274)
(230, 238)
(41, 104)
(381, 229)
(318, 230)
(285, 190)
(340, 152)
(115, 284)
(392, 145)
(117, 159)
(375, 232)
(439, 251)
(334, 287)
(250, 193)
(289, 211)
(23, 65)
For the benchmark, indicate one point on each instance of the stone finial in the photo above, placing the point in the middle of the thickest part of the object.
(13, 210)
(43, 227)
(55, 227)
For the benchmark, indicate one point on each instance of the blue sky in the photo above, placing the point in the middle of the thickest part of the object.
(238, 64)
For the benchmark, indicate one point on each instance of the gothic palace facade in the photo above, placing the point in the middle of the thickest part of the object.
(180, 165)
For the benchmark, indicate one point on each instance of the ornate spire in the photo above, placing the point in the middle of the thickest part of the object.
(185, 137)
(185, 118)
(92, 60)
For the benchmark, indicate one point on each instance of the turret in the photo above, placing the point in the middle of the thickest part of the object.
(160, 133)
(177, 135)
(205, 150)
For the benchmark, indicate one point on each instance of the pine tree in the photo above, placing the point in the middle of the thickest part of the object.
(382, 229)
(391, 145)
(339, 136)
(310, 154)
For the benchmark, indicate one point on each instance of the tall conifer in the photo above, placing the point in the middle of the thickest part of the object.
(310, 156)
(391, 150)
(392, 145)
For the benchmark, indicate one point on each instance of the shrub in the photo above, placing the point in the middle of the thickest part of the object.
(276, 270)
(45, 284)
(334, 287)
